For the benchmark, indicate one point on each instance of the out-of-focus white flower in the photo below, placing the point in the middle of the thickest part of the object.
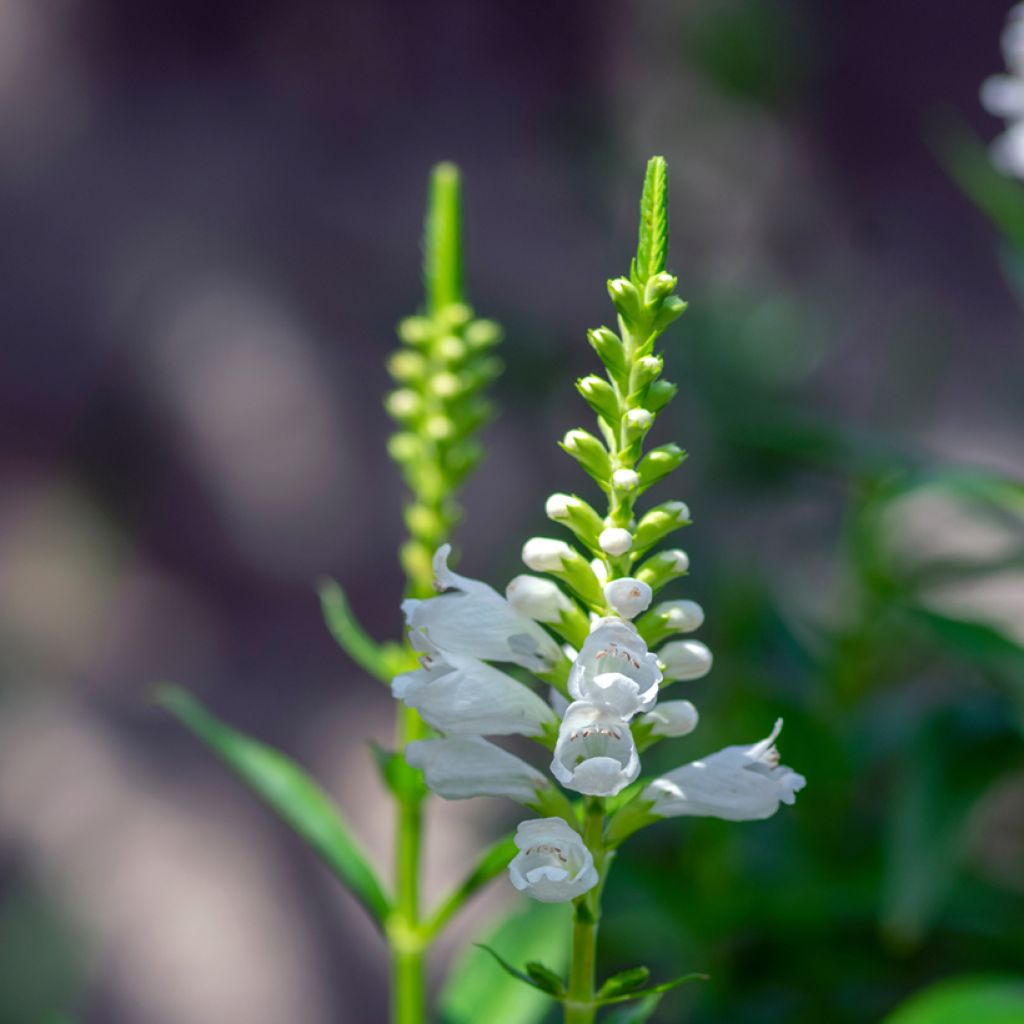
(595, 753)
(615, 669)
(463, 695)
(672, 718)
(476, 621)
(615, 540)
(553, 864)
(737, 784)
(1003, 96)
(540, 599)
(681, 616)
(627, 596)
(685, 659)
(544, 554)
(460, 767)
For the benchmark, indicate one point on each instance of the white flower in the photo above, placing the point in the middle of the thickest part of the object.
(460, 767)
(477, 622)
(463, 695)
(681, 616)
(595, 753)
(542, 554)
(627, 596)
(685, 659)
(672, 718)
(737, 784)
(615, 669)
(615, 540)
(1003, 96)
(557, 506)
(538, 598)
(553, 864)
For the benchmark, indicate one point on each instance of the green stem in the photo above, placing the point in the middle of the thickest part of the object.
(408, 985)
(579, 1005)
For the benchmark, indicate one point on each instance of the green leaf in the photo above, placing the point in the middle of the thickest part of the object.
(493, 862)
(654, 990)
(477, 990)
(542, 985)
(546, 979)
(625, 981)
(399, 776)
(442, 239)
(965, 1000)
(382, 661)
(652, 248)
(288, 791)
(638, 1013)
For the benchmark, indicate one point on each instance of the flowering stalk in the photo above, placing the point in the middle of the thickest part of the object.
(595, 596)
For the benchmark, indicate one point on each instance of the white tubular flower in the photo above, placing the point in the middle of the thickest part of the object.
(685, 660)
(737, 784)
(595, 753)
(464, 696)
(460, 767)
(615, 669)
(538, 598)
(553, 864)
(477, 622)
(615, 540)
(1003, 96)
(543, 554)
(628, 597)
(672, 718)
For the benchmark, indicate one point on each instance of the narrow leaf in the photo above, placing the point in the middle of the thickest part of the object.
(442, 239)
(652, 247)
(292, 794)
(625, 981)
(526, 979)
(638, 1013)
(545, 978)
(654, 990)
(378, 660)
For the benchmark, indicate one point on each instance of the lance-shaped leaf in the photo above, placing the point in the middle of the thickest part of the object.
(382, 661)
(290, 792)
(536, 974)
(654, 990)
(652, 246)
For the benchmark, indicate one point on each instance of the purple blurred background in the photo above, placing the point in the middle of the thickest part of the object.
(211, 214)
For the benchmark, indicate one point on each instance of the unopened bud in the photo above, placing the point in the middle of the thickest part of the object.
(482, 334)
(681, 616)
(440, 428)
(445, 385)
(537, 598)
(625, 479)
(658, 287)
(450, 348)
(672, 718)
(601, 397)
(664, 567)
(660, 521)
(543, 554)
(406, 365)
(404, 404)
(627, 597)
(615, 540)
(415, 330)
(685, 659)
(659, 462)
(639, 420)
(588, 451)
(608, 346)
(647, 369)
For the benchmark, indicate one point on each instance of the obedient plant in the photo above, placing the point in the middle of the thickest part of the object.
(1003, 96)
(587, 630)
(573, 656)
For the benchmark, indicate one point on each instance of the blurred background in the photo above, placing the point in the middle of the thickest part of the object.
(211, 217)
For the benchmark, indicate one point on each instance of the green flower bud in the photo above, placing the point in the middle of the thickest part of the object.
(455, 315)
(647, 369)
(659, 287)
(601, 397)
(450, 348)
(659, 462)
(671, 309)
(638, 422)
(415, 330)
(625, 298)
(608, 346)
(663, 567)
(577, 515)
(588, 451)
(405, 447)
(445, 384)
(481, 334)
(439, 428)
(404, 404)
(423, 521)
(659, 394)
(405, 365)
(659, 522)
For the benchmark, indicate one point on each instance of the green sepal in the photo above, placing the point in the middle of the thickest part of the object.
(601, 397)
(658, 394)
(517, 974)
(383, 661)
(671, 309)
(590, 453)
(290, 793)
(625, 981)
(582, 519)
(399, 776)
(631, 817)
(626, 299)
(578, 575)
(610, 350)
(658, 522)
(546, 979)
(662, 568)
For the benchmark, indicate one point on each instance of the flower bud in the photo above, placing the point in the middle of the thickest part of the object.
(658, 287)
(577, 515)
(664, 567)
(659, 462)
(659, 394)
(455, 315)
(482, 334)
(451, 348)
(406, 365)
(627, 597)
(625, 479)
(608, 346)
(537, 598)
(588, 451)
(445, 384)
(659, 522)
(671, 308)
(615, 540)
(415, 330)
(543, 554)
(672, 718)
(439, 427)
(405, 447)
(601, 397)
(685, 659)
(625, 297)
(647, 369)
(404, 404)
(670, 617)
(638, 421)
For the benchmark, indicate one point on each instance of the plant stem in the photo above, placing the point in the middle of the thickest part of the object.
(408, 988)
(579, 1006)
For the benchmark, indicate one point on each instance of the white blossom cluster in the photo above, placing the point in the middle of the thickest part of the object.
(613, 681)
(1003, 96)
